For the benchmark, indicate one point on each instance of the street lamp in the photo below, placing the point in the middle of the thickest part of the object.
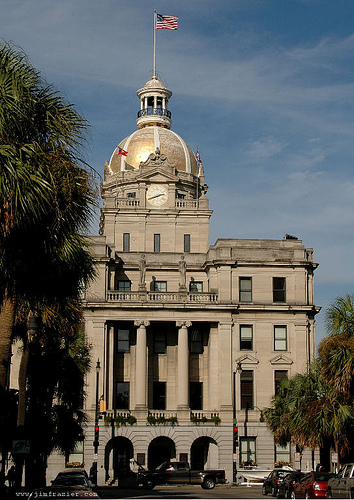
(97, 412)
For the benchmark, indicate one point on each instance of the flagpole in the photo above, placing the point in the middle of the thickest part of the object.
(154, 68)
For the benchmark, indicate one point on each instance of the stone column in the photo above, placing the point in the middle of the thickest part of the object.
(141, 366)
(183, 370)
(110, 389)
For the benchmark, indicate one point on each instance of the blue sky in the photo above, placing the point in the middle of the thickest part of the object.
(264, 89)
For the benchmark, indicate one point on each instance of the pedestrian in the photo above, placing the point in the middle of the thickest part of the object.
(11, 476)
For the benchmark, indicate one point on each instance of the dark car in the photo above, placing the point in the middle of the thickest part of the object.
(286, 487)
(72, 480)
(312, 485)
(272, 482)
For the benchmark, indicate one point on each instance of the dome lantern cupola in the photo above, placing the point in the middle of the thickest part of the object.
(154, 98)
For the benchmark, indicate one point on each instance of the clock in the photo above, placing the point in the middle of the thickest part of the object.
(157, 195)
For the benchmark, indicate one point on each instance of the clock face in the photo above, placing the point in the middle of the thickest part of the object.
(157, 195)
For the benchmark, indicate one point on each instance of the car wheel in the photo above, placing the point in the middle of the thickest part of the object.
(264, 492)
(329, 494)
(208, 483)
(274, 491)
(148, 484)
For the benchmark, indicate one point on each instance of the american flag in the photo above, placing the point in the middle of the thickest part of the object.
(166, 22)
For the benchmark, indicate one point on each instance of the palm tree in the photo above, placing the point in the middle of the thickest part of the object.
(310, 412)
(45, 202)
(45, 195)
(54, 416)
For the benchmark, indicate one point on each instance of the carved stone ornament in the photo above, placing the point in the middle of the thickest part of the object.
(156, 160)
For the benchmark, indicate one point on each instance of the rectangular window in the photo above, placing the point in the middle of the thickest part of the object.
(131, 195)
(248, 450)
(160, 286)
(246, 337)
(282, 453)
(196, 395)
(196, 286)
(196, 342)
(181, 196)
(160, 343)
(279, 375)
(124, 285)
(159, 396)
(246, 389)
(245, 290)
(187, 242)
(280, 338)
(157, 242)
(122, 400)
(279, 289)
(126, 242)
(123, 340)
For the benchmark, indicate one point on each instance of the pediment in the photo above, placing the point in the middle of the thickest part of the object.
(155, 174)
(281, 359)
(247, 359)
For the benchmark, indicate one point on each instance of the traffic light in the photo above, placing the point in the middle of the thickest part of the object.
(235, 436)
(96, 440)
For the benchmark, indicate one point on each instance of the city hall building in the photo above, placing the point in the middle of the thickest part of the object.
(187, 338)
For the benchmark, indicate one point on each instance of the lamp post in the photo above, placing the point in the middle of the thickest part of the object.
(97, 411)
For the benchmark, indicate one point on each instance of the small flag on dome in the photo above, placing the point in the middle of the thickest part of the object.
(166, 22)
(122, 151)
(197, 156)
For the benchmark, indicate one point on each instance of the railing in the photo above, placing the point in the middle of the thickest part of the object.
(186, 204)
(209, 415)
(150, 111)
(127, 202)
(203, 297)
(175, 297)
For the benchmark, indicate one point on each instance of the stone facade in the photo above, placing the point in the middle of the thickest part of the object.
(189, 336)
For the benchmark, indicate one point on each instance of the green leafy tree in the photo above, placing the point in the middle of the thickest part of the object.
(316, 408)
(45, 193)
(46, 199)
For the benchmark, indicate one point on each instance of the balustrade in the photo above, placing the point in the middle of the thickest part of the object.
(175, 297)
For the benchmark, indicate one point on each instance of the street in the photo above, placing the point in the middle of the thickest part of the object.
(183, 491)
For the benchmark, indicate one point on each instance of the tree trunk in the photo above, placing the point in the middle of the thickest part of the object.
(7, 315)
(22, 384)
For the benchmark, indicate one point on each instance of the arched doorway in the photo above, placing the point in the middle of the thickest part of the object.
(119, 451)
(161, 449)
(204, 454)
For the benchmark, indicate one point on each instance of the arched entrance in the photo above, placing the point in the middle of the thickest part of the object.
(204, 454)
(119, 451)
(161, 449)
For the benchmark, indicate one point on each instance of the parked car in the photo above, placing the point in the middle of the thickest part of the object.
(272, 482)
(73, 477)
(286, 487)
(180, 473)
(312, 485)
(342, 484)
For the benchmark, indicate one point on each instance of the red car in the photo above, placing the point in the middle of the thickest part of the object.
(312, 485)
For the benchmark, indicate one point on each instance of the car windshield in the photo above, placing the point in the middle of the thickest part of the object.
(162, 466)
(323, 477)
(70, 481)
(282, 473)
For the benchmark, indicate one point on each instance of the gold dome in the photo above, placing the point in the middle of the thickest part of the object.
(141, 143)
